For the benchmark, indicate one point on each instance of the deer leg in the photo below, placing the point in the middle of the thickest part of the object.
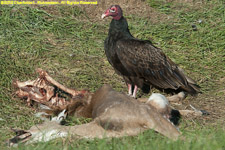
(194, 112)
(177, 97)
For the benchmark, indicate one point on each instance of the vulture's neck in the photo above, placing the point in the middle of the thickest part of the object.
(119, 29)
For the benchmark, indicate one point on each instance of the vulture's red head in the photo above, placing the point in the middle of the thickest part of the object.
(115, 11)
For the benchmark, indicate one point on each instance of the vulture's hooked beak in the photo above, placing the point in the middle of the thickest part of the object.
(103, 16)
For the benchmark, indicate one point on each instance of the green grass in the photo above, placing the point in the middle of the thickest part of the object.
(70, 47)
(205, 139)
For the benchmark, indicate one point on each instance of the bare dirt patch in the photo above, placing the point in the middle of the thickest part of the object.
(94, 12)
(134, 7)
(214, 105)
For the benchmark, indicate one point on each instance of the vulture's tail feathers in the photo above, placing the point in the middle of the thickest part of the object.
(191, 87)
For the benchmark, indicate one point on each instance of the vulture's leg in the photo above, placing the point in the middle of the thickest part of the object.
(129, 89)
(135, 91)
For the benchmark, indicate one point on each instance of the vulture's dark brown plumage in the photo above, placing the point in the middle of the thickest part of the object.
(139, 61)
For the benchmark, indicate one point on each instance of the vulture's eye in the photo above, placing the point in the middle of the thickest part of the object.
(112, 10)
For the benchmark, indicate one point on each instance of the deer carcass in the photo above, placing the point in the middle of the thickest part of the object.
(114, 114)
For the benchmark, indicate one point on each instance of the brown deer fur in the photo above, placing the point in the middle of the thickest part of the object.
(114, 115)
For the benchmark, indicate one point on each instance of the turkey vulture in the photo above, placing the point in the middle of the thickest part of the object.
(139, 62)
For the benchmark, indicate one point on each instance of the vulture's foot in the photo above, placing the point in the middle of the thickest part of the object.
(132, 93)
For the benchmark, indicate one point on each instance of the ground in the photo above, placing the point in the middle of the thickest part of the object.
(67, 41)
